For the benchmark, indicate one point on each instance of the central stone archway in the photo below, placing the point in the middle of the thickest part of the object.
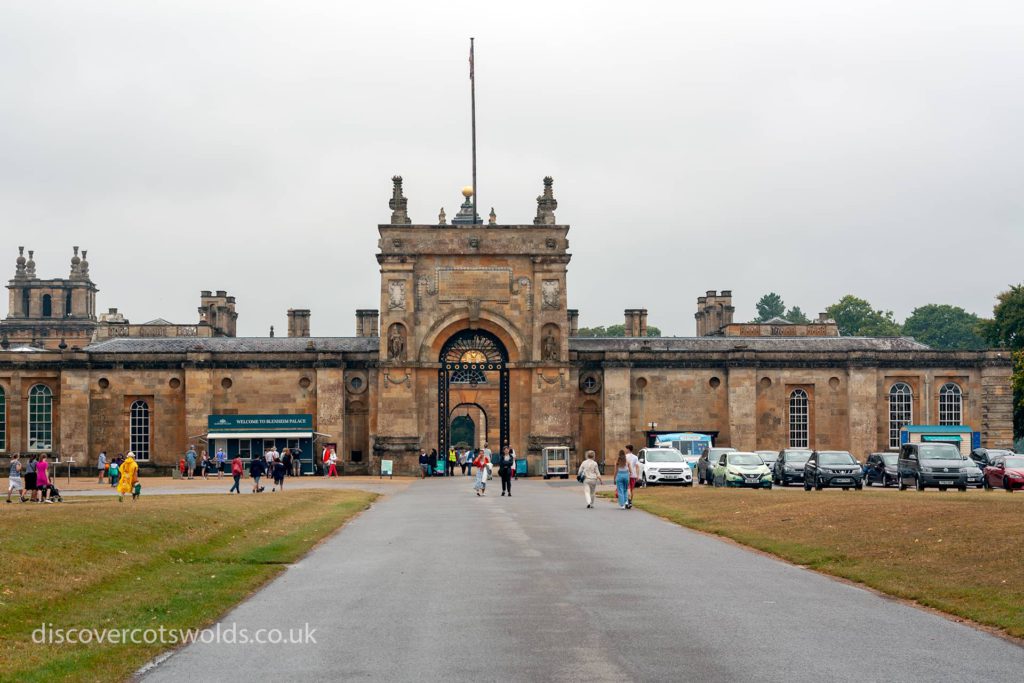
(474, 364)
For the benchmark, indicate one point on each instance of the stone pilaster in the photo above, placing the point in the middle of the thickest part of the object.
(862, 399)
(74, 413)
(742, 385)
(997, 401)
(198, 395)
(617, 429)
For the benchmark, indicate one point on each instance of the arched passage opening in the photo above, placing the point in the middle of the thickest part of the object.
(473, 372)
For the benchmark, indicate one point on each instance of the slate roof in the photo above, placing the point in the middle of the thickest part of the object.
(763, 344)
(235, 345)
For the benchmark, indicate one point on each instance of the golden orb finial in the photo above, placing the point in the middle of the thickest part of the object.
(467, 191)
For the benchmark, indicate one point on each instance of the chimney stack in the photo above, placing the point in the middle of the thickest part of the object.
(636, 322)
(574, 321)
(714, 311)
(298, 322)
(218, 311)
(367, 322)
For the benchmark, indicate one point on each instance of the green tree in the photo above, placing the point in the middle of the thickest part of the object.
(856, 318)
(1006, 329)
(796, 316)
(613, 331)
(769, 306)
(944, 327)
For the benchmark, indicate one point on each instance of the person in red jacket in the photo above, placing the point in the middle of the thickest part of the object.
(236, 474)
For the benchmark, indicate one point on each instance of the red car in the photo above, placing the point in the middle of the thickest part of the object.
(1006, 471)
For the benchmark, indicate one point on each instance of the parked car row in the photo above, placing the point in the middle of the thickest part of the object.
(921, 466)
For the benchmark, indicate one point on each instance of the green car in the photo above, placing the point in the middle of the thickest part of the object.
(742, 469)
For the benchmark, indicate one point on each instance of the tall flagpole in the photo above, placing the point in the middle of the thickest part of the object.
(472, 99)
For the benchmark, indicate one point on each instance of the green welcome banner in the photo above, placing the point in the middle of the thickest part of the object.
(259, 423)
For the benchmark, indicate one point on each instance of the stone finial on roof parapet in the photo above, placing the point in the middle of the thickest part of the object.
(442, 218)
(546, 204)
(30, 265)
(76, 265)
(492, 219)
(398, 203)
(19, 264)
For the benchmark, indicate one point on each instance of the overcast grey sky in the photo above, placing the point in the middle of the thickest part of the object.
(814, 148)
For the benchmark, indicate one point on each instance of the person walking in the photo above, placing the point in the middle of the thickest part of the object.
(190, 462)
(433, 461)
(257, 467)
(424, 464)
(332, 471)
(129, 477)
(483, 464)
(43, 478)
(115, 470)
(470, 457)
(462, 461)
(622, 479)
(14, 480)
(236, 473)
(450, 463)
(278, 474)
(515, 470)
(101, 467)
(268, 457)
(589, 474)
(30, 477)
(633, 462)
(506, 468)
(286, 460)
(220, 457)
(297, 462)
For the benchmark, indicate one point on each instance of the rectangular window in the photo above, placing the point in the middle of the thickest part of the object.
(139, 430)
(357, 456)
(245, 449)
(799, 419)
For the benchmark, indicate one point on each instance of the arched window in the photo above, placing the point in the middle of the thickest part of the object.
(3, 420)
(67, 304)
(40, 418)
(138, 430)
(47, 306)
(901, 411)
(951, 403)
(799, 423)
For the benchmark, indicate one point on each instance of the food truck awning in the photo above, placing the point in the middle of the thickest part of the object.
(259, 435)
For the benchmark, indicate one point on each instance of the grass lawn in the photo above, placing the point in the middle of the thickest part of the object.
(962, 553)
(175, 561)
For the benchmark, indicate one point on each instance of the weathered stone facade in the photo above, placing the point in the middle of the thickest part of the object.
(473, 324)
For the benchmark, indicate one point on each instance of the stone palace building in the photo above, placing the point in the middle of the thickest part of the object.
(473, 340)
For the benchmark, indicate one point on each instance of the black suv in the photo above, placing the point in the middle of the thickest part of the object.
(983, 457)
(882, 468)
(938, 465)
(789, 467)
(833, 468)
(706, 467)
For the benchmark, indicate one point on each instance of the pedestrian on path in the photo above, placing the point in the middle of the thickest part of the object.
(115, 470)
(278, 472)
(257, 467)
(450, 463)
(14, 480)
(43, 478)
(462, 461)
(101, 467)
(190, 461)
(589, 474)
(30, 477)
(221, 458)
(129, 477)
(483, 464)
(236, 473)
(332, 471)
(622, 479)
(204, 464)
(433, 461)
(633, 462)
(297, 462)
(506, 468)
(424, 464)
(286, 460)
(470, 457)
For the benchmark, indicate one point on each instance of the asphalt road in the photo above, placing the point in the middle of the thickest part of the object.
(436, 584)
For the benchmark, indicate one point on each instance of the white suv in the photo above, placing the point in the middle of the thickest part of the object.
(664, 466)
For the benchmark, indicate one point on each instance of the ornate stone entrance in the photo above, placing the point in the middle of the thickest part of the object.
(474, 370)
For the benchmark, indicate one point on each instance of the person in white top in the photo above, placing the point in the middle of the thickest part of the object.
(633, 462)
(589, 474)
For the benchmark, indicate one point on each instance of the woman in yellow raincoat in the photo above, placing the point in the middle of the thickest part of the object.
(129, 476)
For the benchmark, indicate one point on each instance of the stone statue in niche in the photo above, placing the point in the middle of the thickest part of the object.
(396, 343)
(549, 290)
(549, 346)
(396, 294)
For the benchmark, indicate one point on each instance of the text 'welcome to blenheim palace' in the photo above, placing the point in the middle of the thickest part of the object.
(473, 340)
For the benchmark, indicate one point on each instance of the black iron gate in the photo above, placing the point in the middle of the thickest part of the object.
(465, 359)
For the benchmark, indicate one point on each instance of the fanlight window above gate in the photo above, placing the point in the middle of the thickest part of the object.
(473, 347)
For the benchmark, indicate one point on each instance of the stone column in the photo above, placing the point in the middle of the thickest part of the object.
(617, 429)
(74, 412)
(742, 385)
(862, 400)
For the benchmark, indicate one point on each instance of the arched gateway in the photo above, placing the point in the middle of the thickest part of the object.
(474, 369)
